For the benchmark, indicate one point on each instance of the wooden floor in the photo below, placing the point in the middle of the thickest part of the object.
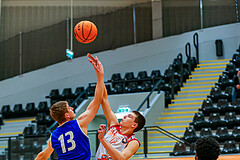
(230, 157)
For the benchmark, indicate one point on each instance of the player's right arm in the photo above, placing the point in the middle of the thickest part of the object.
(86, 117)
(44, 155)
(110, 116)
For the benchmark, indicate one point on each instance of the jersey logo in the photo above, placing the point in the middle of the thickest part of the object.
(124, 140)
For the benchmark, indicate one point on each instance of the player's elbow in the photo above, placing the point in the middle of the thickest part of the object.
(41, 156)
(104, 100)
(121, 158)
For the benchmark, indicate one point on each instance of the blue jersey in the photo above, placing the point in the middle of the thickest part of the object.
(70, 142)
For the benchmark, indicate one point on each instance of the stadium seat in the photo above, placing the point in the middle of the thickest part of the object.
(206, 132)
(142, 76)
(18, 110)
(164, 86)
(1, 120)
(146, 86)
(235, 104)
(53, 101)
(67, 93)
(231, 69)
(216, 94)
(215, 121)
(129, 77)
(118, 88)
(54, 95)
(168, 74)
(229, 147)
(70, 101)
(15, 146)
(78, 91)
(28, 131)
(222, 134)
(236, 133)
(27, 145)
(177, 86)
(49, 121)
(43, 107)
(41, 119)
(192, 61)
(231, 119)
(193, 148)
(224, 106)
(6, 111)
(155, 75)
(41, 129)
(179, 149)
(91, 90)
(185, 74)
(77, 103)
(168, 98)
(190, 135)
(132, 87)
(208, 107)
(116, 77)
(199, 121)
(229, 91)
(144, 81)
(30, 109)
(177, 64)
(109, 89)
(224, 82)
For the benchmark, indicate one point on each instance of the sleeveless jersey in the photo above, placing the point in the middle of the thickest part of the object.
(69, 142)
(118, 140)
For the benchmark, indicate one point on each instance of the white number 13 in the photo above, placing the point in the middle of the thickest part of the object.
(70, 140)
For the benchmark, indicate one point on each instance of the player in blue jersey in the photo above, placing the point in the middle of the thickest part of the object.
(69, 139)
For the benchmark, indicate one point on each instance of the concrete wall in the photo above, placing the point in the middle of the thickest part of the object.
(156, 54)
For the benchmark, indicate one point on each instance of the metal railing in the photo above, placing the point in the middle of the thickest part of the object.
(196, 45)
(160, 130)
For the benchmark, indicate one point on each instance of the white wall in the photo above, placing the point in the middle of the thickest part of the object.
(156, 54)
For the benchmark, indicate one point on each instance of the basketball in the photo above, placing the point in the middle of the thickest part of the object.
(85, 32)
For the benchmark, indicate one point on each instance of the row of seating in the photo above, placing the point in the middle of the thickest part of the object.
(230, 120)
(29, 110)
(66, 94)
(27, 147)
(180, 149)
(222, 106)
(222, 134)
(36, 130)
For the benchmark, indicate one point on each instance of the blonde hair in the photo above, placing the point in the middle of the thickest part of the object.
(58, 110)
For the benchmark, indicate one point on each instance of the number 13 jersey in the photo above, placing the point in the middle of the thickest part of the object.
(69, 141)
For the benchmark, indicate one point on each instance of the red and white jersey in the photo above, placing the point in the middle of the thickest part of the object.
(118, 140)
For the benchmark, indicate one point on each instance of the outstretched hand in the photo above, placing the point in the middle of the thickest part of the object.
(101, 131)
(96, 63)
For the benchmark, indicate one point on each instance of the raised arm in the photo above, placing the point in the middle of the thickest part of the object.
(110, 116)
(126, 154)
(86, 117)
(44, 155)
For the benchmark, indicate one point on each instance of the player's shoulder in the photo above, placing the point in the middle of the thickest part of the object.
(134, 139)
(115, 126)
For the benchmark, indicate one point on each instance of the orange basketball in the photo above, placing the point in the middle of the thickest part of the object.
(85, 31)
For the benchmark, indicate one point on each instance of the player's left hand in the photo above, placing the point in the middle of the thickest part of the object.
(101, 131)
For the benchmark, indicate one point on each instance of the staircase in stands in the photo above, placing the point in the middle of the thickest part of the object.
(181, 111)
